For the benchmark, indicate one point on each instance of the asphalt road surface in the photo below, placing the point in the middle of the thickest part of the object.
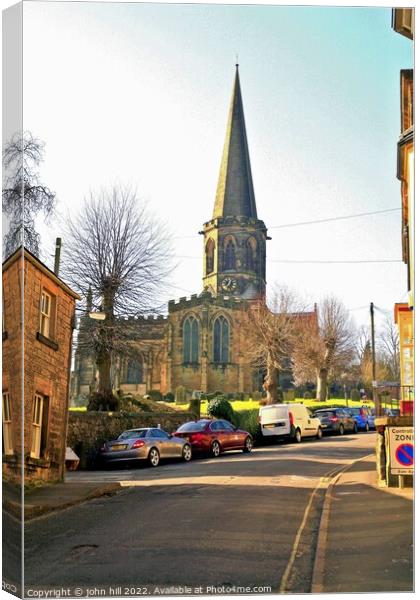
(223, 523)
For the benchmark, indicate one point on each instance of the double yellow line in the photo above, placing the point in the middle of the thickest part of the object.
(324, 481)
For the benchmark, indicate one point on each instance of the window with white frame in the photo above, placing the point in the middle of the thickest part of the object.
(7, 425)
(46, 314)
(39, 426)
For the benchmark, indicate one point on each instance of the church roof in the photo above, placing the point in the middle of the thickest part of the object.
(235, 190)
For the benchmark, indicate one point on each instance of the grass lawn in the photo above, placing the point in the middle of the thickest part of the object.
(239, 405)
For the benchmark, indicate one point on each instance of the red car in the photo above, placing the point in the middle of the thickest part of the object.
(214, 436)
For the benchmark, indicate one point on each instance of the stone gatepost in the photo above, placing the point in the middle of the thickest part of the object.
(384, 426)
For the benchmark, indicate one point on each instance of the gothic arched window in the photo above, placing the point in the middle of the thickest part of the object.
(230, 256)
(209, 257)
(134, 372)
(221, 340)
(251, 254)
(190, 341)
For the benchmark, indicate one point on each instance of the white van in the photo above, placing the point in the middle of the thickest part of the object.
(290, 421)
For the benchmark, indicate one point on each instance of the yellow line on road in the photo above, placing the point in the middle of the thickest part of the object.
(317, 584)
(324, 482)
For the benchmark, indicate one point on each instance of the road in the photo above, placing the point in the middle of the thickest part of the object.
(239, 520)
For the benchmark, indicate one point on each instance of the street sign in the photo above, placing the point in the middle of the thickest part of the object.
(401, 450)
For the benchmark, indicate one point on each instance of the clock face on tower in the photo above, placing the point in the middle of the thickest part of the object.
(229, 284)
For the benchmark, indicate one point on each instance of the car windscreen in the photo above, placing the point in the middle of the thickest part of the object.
(353, 411)
(193, 426)
(135, 433)
(324, 413)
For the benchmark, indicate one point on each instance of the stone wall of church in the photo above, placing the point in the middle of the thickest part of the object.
(161, 350)
(212, 365)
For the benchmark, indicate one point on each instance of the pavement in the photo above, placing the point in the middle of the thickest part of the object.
(53, 497)
(363, 537)
(365, 542)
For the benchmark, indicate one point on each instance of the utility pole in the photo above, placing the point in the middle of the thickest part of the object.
(372, 335)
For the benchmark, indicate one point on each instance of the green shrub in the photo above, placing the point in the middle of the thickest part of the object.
(256, 395)
(169, 397)
(101, 401)
(355, 394)
(308, 396)
(248, 421)
(221, 408)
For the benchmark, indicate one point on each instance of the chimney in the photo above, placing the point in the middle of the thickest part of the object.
(57, 256)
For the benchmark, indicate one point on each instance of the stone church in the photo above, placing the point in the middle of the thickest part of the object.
(198, 345)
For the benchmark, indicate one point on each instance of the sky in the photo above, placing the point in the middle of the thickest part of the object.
(138, 94)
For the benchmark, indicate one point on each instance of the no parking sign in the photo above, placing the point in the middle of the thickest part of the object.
(401, 450)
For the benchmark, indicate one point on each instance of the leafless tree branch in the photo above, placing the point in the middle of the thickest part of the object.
(23, 196)
(117, 254)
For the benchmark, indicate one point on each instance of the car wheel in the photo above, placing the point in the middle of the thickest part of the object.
(298, 436)
(341, 429)
(215, 449)
(186, 452)
(153, 457)
(248, 444)
(367, 428)
(319, 433)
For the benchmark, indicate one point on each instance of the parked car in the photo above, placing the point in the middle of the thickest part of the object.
(214, 436)
(289, 421)
(336, 420)
(361, 414)
(371, 418)
(148, 443)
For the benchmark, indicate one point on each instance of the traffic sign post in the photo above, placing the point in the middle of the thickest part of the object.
(401, 450)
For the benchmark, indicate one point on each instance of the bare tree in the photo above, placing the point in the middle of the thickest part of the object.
(363, 342)
(268, 337)
(116, 254)
(386, 355)
(323, 348)
(389, 346)
(24, 197)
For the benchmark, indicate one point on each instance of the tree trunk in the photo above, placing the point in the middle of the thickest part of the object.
(321, 385)
(103, 360)
(271, 383)
(104, 373)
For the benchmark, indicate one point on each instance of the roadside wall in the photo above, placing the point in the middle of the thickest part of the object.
(88, 431)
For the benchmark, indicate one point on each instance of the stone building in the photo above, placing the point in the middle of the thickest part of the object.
(403, 23)
(48, 314)
(198, 345)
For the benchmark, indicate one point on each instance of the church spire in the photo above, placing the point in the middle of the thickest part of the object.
(235, 190)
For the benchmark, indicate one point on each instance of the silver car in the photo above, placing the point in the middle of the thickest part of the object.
(148, 443)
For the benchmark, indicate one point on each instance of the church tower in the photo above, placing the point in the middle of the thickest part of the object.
(235, 239)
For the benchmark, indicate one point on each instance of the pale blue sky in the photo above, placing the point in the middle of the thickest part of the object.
(139, 94)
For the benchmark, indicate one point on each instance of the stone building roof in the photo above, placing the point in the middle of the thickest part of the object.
(235, 190)
(23, 252)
